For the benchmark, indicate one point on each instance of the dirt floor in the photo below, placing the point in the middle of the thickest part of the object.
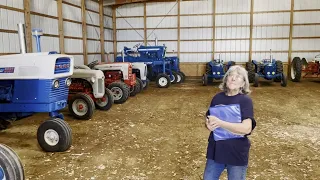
(160, 134)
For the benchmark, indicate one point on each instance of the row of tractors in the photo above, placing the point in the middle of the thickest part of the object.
(49, 82)
(268, 69)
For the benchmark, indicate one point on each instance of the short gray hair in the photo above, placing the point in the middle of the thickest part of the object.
(242, 72)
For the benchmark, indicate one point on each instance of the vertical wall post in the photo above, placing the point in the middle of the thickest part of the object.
(290, 40)
(60, 26)
(101, 15)
(27, 20)
(251, 30)
(84, 32)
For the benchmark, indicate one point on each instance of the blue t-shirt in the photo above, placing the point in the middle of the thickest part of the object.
(232, 151)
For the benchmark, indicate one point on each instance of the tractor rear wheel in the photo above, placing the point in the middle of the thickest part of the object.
(183, 76)
(279, 70)
(106, 102)
(135, 89)
(10, 164)
(179, 77)
(251, 71)
(296, 68)
(120, 92)
(163, 81)
(174, 77)
(283, 80)
(139, 81)
(81, 106)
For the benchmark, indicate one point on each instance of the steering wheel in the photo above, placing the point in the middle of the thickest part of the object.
(92, 64)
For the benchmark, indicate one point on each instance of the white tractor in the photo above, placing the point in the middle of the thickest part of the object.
(140, 69)
(87, 92)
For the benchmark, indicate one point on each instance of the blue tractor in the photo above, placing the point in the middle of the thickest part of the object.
(215, 70)
(269, 69)
(37, 82)
(175, 67)
(159, 67)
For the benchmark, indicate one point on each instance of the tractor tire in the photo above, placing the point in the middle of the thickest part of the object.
(107, 103)
(279, 70)
(208, 67)
(10, 164)
(175, 77)
(81, 106)
(283, 80)
(205, 80)
(163, 81)
(184, 76)
(140, 84)
(251, 71)
(179, 77)
(296, 69)
(256, 80)
(120, 92)
(135, 89)
(146, 84)
(54, 135)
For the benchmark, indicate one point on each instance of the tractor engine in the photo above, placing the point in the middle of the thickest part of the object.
(312, 67)
(112, 76)
(6, 91)
(80, 86)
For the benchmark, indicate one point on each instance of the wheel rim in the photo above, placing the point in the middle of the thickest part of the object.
(117, 93)
(51, 137)
(163, 81)
(173, 78)
(178, 78)
(102, 101)
(293, 76)
(80, 107)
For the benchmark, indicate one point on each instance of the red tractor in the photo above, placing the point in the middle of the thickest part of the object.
(301, 67)
(119, 79)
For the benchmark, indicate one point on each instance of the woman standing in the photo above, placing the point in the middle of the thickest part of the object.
(233, 153)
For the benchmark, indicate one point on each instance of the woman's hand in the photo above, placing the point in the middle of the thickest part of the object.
(212, 122)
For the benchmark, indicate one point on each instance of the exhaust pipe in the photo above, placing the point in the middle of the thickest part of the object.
(22, 38)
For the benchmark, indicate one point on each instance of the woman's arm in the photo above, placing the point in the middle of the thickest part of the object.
(242, 128)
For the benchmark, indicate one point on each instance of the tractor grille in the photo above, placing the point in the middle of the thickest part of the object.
(59, 93)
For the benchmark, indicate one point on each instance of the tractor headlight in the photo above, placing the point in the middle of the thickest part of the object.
(268, 73)
(55, 84)
(68, 81)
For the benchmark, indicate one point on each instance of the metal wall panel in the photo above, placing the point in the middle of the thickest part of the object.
(9, 19)
(201, 33)
(232, 32)
(135, 9)
(201, 57)
(224, 6)
(305, 44)
(271, 5)
(163, 34)
(306, 4)
(196, 46)
(92, 18)
(93, 32)
(95, 57)
(123, 35)
(162, 22)
(232, 45)
(73, 46)
(278, 56)
(309, 56)
(48, 25)
(129, 23)
(271, 32)
(75, 2)
(93, 46)
(271, 18)
(71, 12)
(236, 57)
(120, 45)
(107, 11)
(92, 5)
(306, 31)
(232, 20)
(47, 44)
(9, 43)
(195, 21)
(162, 8)
(306, 17)
(78, 59)
(107, 22)
(72, 29)
(266, 45)
(108, 47)
(48, 7)
(108, 34)
(12, 3)
(196, 7)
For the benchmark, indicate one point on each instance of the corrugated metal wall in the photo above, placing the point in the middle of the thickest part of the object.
(44, 15)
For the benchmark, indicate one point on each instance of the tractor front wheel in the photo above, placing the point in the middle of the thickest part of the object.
(174, 77)
(283, 80)
(163, 81)
(296, 68)
(10, 164)
(54, 135)
(205, 79)
(135, 89)
(120, 92)
(106, 102)
(81, 106)
(139, 81)
(279, 70)
(256, 80)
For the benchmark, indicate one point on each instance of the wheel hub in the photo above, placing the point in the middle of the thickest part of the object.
(163, 81)
(117, 93)
(80, 107)
(51, 137)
